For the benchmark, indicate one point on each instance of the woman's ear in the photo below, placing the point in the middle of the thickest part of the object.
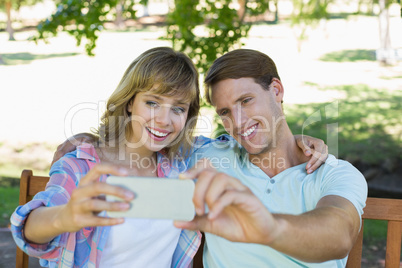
(129, 107)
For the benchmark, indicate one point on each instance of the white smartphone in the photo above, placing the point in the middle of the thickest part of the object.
(156, 198)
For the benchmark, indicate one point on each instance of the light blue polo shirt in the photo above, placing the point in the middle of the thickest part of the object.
(292, 191)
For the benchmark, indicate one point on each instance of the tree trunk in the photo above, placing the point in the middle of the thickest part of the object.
(276, 11)
(241, 12)
(119, 22)
(385, 54)
(9, 28)
(146, 10)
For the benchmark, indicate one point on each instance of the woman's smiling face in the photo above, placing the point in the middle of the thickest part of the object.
(157, 120)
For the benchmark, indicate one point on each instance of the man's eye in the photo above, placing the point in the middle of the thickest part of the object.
(151, 103)
(246, 100)
(178, 110)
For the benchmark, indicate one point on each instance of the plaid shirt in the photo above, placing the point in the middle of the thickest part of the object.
(84, 248)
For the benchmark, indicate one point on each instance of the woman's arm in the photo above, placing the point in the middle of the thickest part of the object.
(45, 223)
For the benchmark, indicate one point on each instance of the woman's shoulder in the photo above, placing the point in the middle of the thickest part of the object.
(77, 159)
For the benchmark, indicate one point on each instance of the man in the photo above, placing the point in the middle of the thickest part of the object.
(264, 209)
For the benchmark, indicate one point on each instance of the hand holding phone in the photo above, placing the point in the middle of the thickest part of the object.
(156, 198)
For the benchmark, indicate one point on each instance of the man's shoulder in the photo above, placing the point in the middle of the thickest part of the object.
(333, 163)
(338, 170)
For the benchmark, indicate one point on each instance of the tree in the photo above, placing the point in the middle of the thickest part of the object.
(385, 54)
(308, 13)
(84, 19)
(221, 22)
(15, 5)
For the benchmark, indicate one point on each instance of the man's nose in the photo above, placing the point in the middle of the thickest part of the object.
(239, 118)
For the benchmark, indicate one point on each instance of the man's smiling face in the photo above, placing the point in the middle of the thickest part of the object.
(249, 113)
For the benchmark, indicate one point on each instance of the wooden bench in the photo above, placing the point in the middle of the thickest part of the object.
(377, 209)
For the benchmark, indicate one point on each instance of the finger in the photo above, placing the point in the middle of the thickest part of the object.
(201, 187)
(225, 200)
(200, 166)
(101, 169)
(316, 161)
(304, 144)
(95, 206)
(220, 184)
(101, 188)
(101, 221)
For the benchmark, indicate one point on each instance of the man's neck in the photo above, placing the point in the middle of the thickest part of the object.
(284, 155)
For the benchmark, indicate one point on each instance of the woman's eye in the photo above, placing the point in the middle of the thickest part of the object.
(178, 110)
(151, 103)
(223, 113)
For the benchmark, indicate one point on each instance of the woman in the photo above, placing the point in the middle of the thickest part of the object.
(149, 116)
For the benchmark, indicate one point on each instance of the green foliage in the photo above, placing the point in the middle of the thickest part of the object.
(368, 120)
(309, 12)
(206, 30)
(83, 19)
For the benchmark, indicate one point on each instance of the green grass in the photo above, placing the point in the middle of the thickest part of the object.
(350, 55)
(13, 170)
(391, 77)
(374, 231)
(367, 120)
(374, 239)
(8, 202)
(26, 58)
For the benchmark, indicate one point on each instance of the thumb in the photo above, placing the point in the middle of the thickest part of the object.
(200, 223)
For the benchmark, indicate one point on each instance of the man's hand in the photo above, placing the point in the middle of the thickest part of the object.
(71, 144)
(235, 213)
(316, 148)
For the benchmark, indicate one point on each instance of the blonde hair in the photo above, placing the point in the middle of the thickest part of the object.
(165, 72)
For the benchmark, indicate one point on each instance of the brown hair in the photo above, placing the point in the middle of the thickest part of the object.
(238, 64)
(173, 73)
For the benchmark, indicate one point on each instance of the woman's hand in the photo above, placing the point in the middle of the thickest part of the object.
(45, 223)
(87, 200)
(315, 148)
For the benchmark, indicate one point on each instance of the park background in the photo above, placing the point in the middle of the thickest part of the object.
(52, 90)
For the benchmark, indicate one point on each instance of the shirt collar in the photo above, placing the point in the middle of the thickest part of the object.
(87, 151)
